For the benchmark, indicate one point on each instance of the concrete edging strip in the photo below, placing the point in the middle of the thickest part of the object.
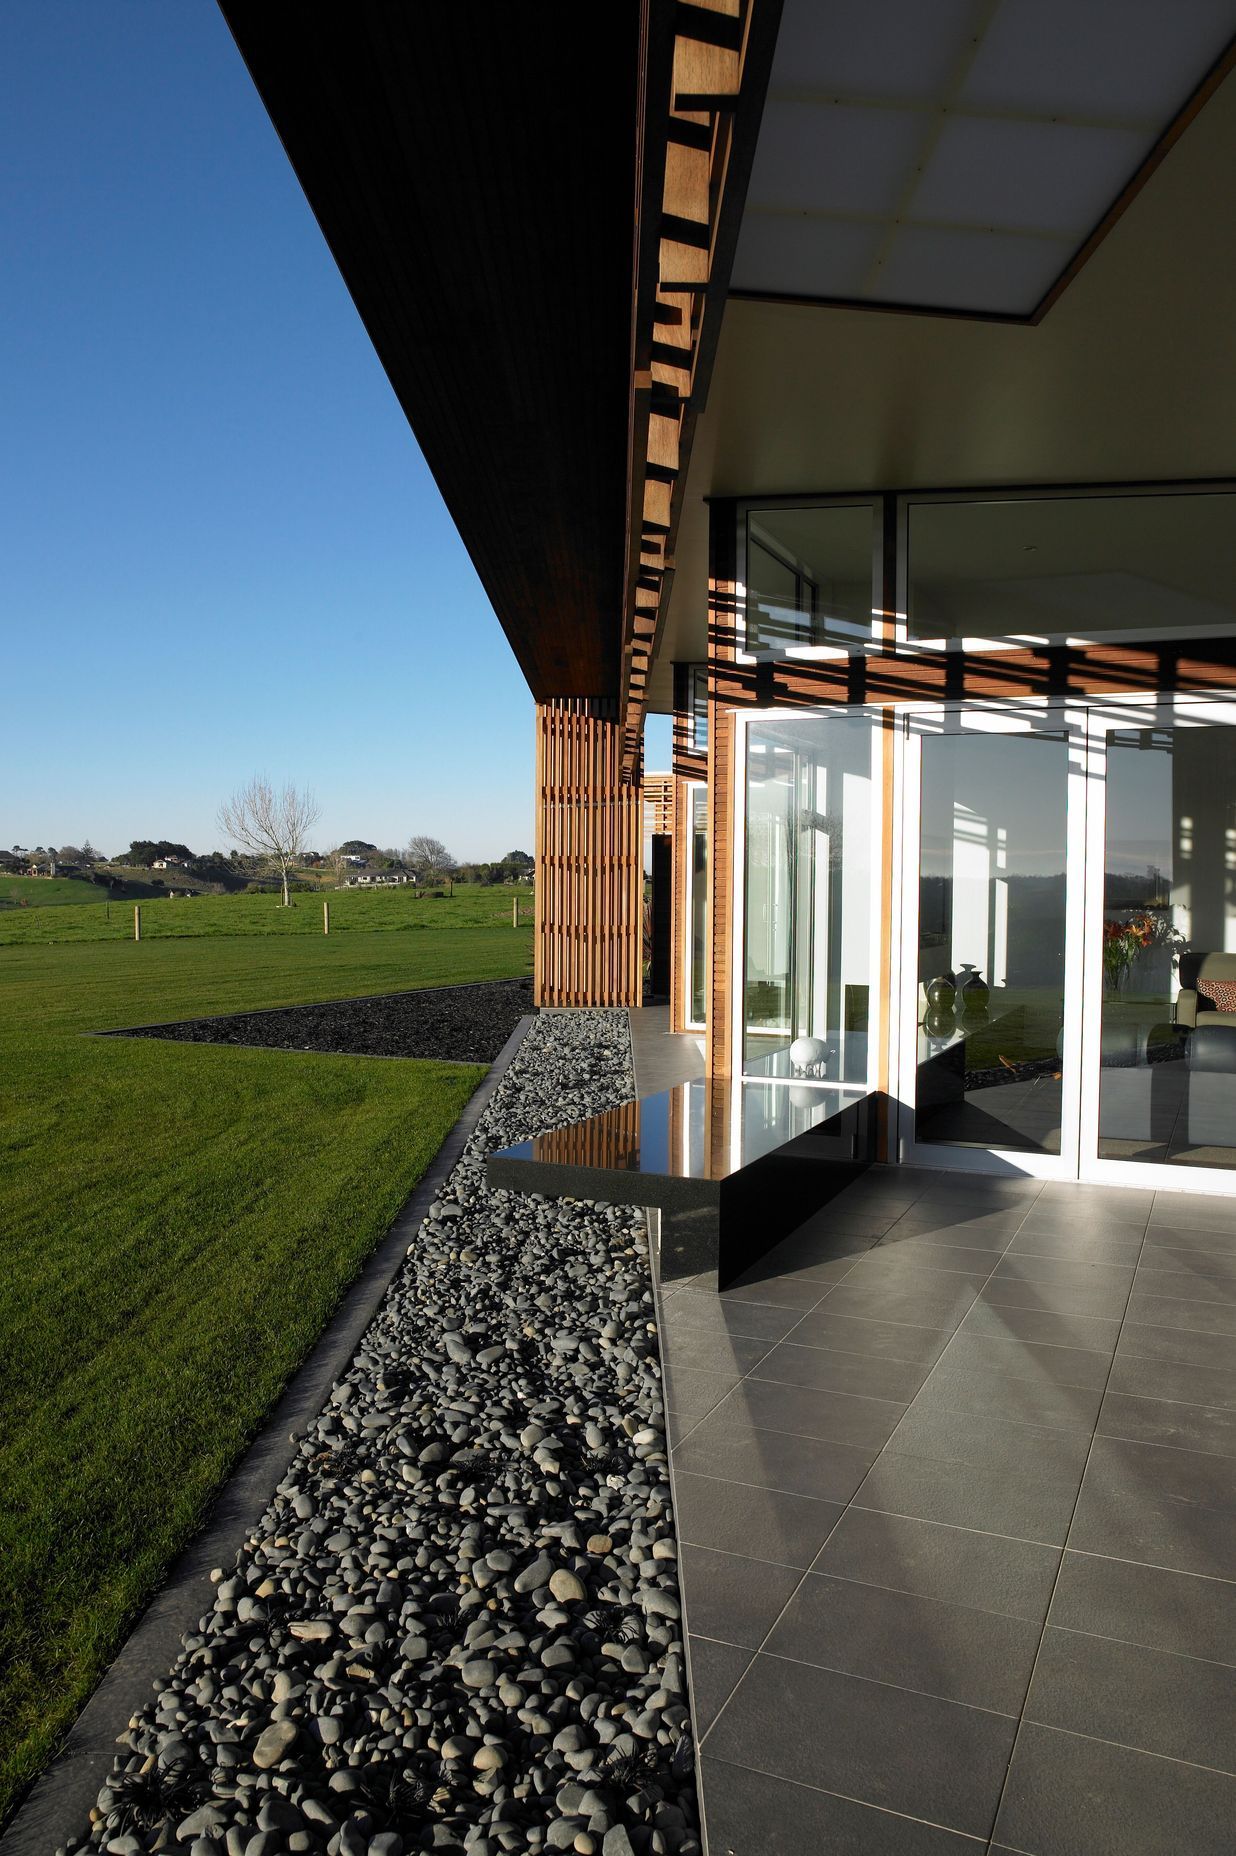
(59, 1803)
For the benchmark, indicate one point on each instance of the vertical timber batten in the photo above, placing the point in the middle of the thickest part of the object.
(589, 859)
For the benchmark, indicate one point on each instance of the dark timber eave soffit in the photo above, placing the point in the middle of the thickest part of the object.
(472, 168)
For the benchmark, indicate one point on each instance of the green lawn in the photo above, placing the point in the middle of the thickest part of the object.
(176, 1223)
(44, 892)
(351, 911)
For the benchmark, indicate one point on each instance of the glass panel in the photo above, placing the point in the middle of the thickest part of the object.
(1167, 1077)
(809, 576)
(991, 940)
(1072, 567)
(699, 708)
(812, 843)
(699, 903)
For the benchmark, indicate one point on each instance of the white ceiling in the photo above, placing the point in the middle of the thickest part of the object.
(955, 155)
(1131, 378)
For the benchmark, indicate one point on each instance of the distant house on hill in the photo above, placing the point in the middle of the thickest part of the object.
(166, 863)
(378, 879)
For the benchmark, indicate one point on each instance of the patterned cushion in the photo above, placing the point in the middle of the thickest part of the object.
(1221, 993)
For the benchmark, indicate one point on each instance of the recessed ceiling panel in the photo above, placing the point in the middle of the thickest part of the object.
(985, 271)
(817, 158)
(978, 146)
(807, 257)
(1097, 59)
(885, 48)
(1047, 177)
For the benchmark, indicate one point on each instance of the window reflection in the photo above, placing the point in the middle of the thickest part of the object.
(809, 576)
(1167, 1085)
(992, 940)
(812, 835)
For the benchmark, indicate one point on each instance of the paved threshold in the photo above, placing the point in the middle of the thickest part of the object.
(955, 1483)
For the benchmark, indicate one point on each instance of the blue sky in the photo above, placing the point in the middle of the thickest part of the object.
(220, 550)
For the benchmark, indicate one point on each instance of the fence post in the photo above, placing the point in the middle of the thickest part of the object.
(137, 921)
(514, 911)
(325, 916)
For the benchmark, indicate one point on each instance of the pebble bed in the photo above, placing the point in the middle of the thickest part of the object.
(457, 1626)
(466, 1024)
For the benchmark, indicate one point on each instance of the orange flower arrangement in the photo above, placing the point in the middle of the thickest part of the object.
(1124, 941)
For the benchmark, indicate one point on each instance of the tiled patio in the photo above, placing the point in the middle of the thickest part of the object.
(955, 1474)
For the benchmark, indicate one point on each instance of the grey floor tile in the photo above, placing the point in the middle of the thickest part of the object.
(795, 1265)
(824, 1369)
(731, 1599)
(905, 1263)
(1163, 1610)
(1120, 1244)
(931, 1759)
(874, 1339)
(1048, 1327)
(962, 1216)
(828, 1225)
(1137, 1199)
(1148, 1377)
(1016, 1400)
(702, 1310)
(787, 1530)
(1186, 1346)
(1032, 1508)
(1105, 1301)
(802, 1411)
(930, 1645)
(752, 1814)
(1197, 1316)
(1164, 1242)
(1178, 1706)
(1027, 1359)
(981, 1440)
(1068, 1272)
(776, 1292)
(693, 1394)
(1011, 1577)
(773, 1460)
(1179, 1211)
(941, 1302)
(988, 1237)
(1169, 1273)
(1173, 1508)
(974, 1189)
(702, 1352)
(1167, 1421)
(1070, 1796)
(716, 1669)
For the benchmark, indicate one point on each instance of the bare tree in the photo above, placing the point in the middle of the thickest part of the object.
(429, 858)
(270, 825)
(337, 858)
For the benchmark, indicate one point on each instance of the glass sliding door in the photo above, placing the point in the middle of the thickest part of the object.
(696, 950)
(991, 938)
(1160, 1055)
(811, 905)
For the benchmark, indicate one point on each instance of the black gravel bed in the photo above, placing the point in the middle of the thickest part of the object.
(457, 1626)
(461, 1024)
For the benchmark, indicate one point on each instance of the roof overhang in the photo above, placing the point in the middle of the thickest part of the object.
(472, 168)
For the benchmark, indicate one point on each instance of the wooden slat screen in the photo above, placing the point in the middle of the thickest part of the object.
(589, 859)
